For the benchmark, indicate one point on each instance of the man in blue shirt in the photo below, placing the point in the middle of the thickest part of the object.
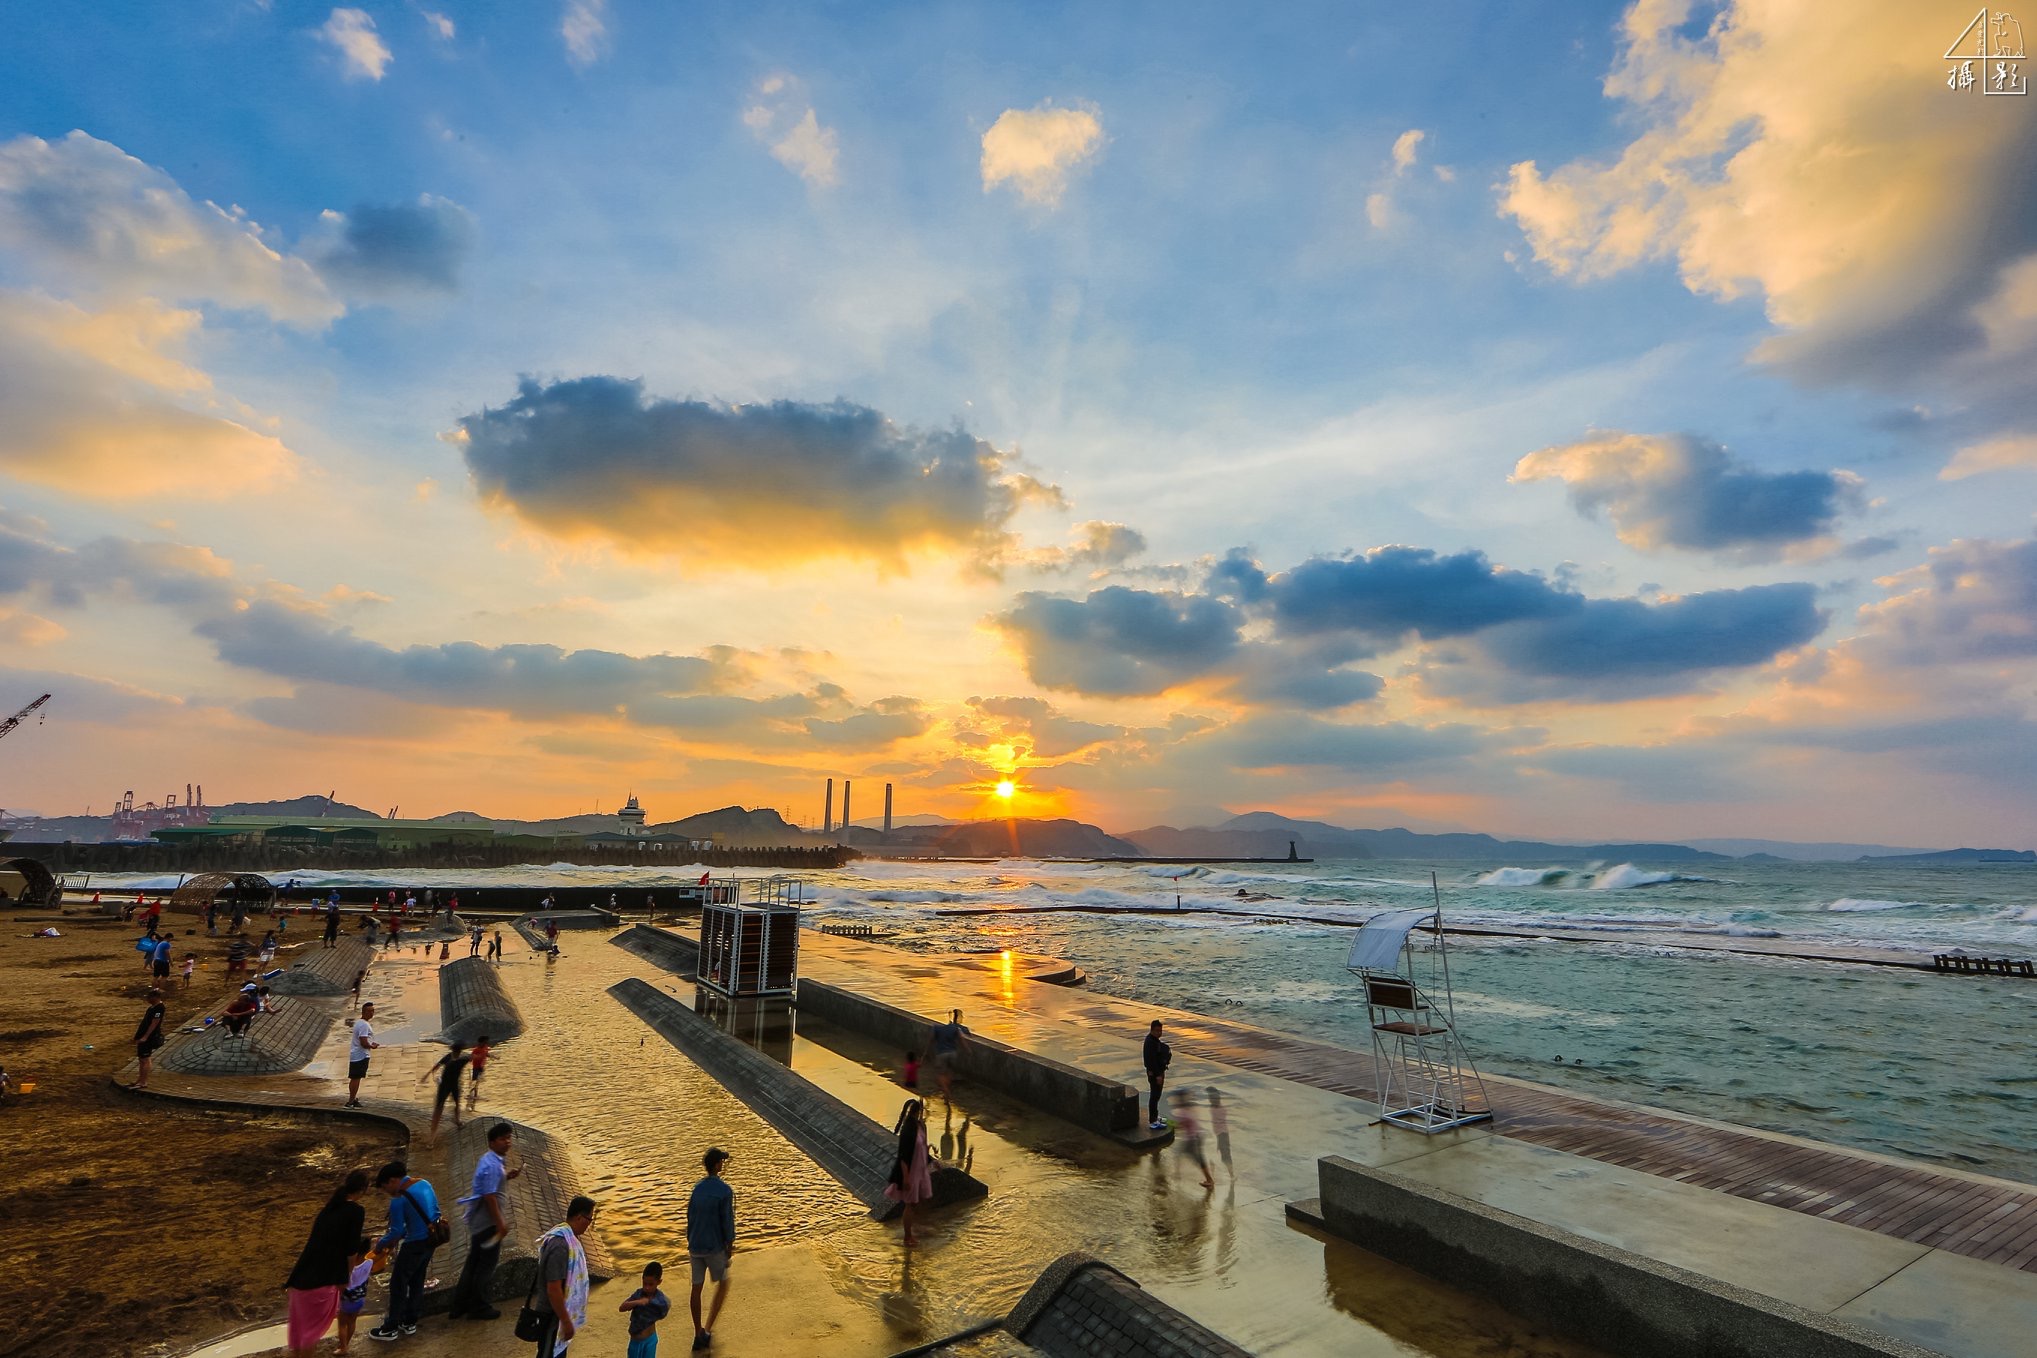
(710, 1235)
(487, 1226)
(413, 1208)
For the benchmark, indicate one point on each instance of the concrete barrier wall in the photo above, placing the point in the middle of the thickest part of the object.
(1610, 1298)
(851, 1147)
(1083, 1308)
(674, 952)
(1101, 1105)
(472, 1001)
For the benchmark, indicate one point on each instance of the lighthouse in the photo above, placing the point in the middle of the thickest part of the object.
(631, 817)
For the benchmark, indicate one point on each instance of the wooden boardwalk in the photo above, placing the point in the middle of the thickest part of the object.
(1981, 1218)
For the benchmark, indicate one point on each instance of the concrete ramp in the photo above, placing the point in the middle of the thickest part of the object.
(851, 1147)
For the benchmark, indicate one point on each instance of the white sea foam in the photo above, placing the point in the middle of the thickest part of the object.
(1523, 876)
(1626, 877)
(1853, 905)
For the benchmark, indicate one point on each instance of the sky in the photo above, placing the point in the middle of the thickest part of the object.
(1578, 421)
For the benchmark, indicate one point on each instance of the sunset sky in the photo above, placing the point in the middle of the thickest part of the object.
(1575, 420)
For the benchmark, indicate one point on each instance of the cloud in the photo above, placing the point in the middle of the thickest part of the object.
(1120, 642)
(1884, 220)
(583, 26)
(441, 25)
(1681, 773)
(781, 117)
(101, 405)
(85, 210)
(1037, 150)
(2014, 452)
(1308, 675)
(1972, 600)
(1676, 491)
(886, 722)
(1405, 148)
(1391, 592)
(394, 249)
(24, 630)
(1043, 730)
(1386, 749)
(592, 458)
(362, 53)
(1099, 547)
(1381, 208)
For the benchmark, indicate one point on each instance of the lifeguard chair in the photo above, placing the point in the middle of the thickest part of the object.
(1426, 1080)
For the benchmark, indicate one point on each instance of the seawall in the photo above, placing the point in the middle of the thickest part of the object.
(661, 947)
(473, 1002)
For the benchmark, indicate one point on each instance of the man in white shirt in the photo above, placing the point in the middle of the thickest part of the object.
(357, 1054)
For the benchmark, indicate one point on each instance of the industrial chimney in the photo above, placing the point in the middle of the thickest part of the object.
(887, 808)
(827, 816)
(845, 808)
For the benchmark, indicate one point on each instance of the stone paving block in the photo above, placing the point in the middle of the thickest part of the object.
(275, 1042)
(323, 971)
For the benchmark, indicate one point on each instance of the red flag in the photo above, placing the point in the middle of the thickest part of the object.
(703, 878)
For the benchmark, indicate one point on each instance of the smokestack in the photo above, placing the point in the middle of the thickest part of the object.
(845, 807)
(887, 808)
(827, 816)
(201, 794)
(187, 796)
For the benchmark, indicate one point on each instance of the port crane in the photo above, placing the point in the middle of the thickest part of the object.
(16, 720)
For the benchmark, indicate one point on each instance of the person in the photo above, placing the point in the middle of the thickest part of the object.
(647, 1306)
(237, 958)
(332, 923)
(552, 934)
(359, 977)
(912, 1179)
(413, 1210)
(1220, 1123)
(448, 1068)
(190, 965)
(159, 959)
(947, 1044)
(495, 947)
(373, 926)
(324, 1266)
(710, 1235)
(1157, 1056)
(148, 1037)
(268, 947)
(1188, 1135)
(476, 1068)
(487, 1220)
(212, 919)
(395, 930)
(240, 1012)
(474, 941)
(362, 1265)
(910, 1077)
(357, 1050)
(445, 950)
(561, 1300)
(155, 915)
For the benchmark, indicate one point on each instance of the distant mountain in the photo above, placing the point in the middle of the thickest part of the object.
(586, 823)
(1317, 839)
(1164, 841)
(1955, 856)
(1783, 850)
(1030, 839)
(738, 827)
(311, 808)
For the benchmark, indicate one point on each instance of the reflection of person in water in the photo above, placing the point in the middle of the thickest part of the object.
(1220, 1124)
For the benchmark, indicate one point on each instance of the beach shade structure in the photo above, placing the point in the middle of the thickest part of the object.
(25, 881)
(1426, 1080)
(236, 894)
(751, 948)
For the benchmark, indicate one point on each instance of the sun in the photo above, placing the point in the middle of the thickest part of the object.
(1006, 788)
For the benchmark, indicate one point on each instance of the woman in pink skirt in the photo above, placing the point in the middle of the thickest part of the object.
(912, 1176)
(314, 1285)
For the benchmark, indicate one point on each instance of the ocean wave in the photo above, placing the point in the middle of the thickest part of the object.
(1523, 877)
(1626, 877)
(1854, 904)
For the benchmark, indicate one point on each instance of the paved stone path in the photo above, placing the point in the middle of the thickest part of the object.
(275, 1042)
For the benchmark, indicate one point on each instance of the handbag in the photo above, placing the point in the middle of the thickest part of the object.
(437, 1230)
(530, 1326)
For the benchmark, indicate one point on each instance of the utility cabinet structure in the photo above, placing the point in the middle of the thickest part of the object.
(751, 948)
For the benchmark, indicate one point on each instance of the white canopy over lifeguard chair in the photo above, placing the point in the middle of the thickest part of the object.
(1427, 1082)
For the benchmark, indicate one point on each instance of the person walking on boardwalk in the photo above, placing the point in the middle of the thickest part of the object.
(947, 1048)
(560, 1288)
(416, 1228)
(647, 1306)
(322, 1269)
(912, 1176)
(1188, 1135)
(1158, 1055)
(449, 1069)
(357, 1050)
(710, 1235)
(332, 923)
(148, 1036)
(487, 1203)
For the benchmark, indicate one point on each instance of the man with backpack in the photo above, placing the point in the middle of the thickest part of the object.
(415, 1221)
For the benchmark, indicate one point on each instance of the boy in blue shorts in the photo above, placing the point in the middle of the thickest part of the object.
(647, 1306)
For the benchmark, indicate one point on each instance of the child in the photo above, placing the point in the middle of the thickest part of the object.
(363, 1264)
(190, 965)
(911, 1077)
(647, 1306)
(476, 1069)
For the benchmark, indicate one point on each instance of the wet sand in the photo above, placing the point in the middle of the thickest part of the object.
(134, 1226)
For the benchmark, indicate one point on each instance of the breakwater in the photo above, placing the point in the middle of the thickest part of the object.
(266, 858)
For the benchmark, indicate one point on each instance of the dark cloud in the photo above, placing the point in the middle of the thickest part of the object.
(1625, 639)
(885, 722)
(1972, 600)
(1270, 741)
(1676, 491)
(765, 484)
(1672, 774)
(1308, 675)
(1098, 547)
(1121, 642)
(1393, 591)
(401, 247)
(1237, 576)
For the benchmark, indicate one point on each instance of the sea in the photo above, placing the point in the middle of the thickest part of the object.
(1939, 1068)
